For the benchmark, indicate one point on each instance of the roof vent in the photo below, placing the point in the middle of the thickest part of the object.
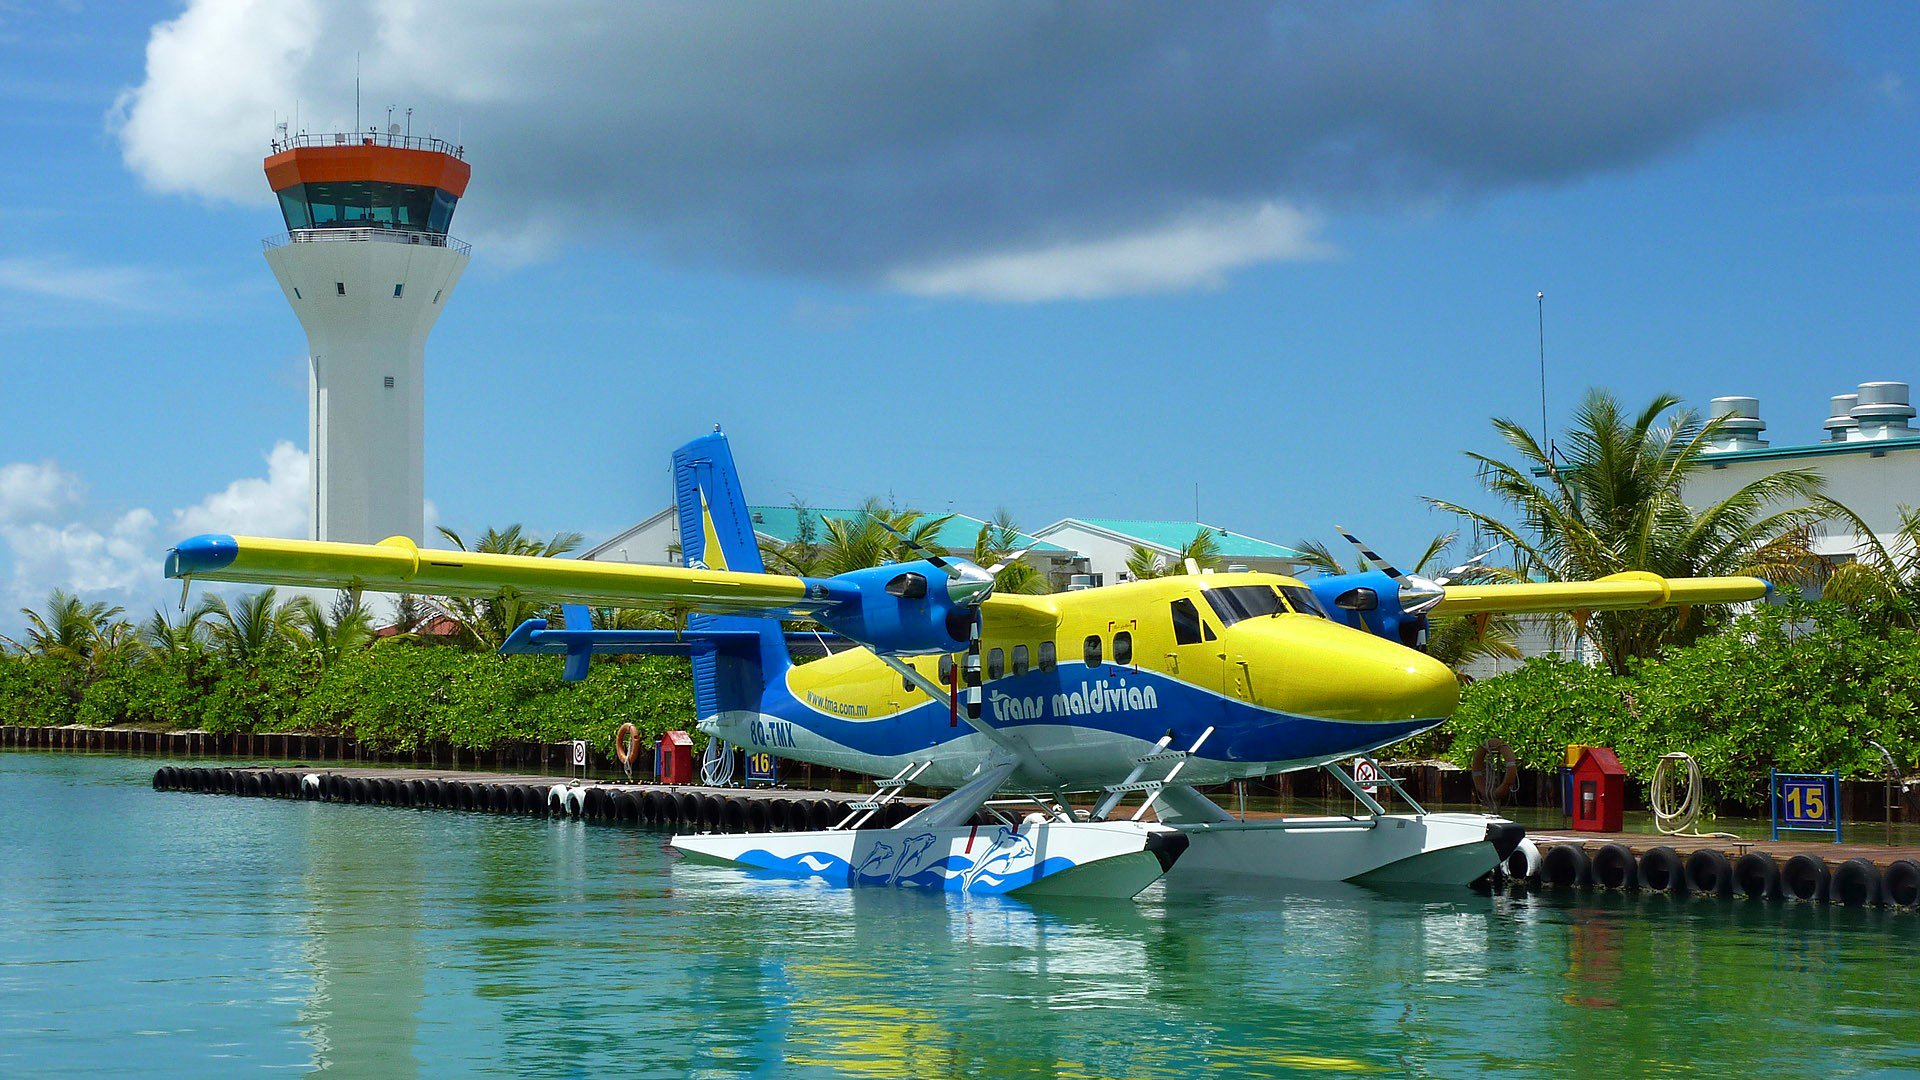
(1740, 425)
(1883, 411)
(1841, 426)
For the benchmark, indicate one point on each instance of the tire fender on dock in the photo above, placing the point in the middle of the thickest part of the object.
(1614, 867)
(1901, 883)
(1709, 872)
(1856, 883)
(1662, 871)
(1757, 876)
(1805, 878)
(1566, 866)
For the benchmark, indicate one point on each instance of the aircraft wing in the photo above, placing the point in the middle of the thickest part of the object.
(398, 565)
(1616, 592)
(1016, 613)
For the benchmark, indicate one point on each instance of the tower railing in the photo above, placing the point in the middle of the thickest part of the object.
(371, 232)
(370, 138)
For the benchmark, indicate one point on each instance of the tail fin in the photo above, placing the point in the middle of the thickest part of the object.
(716, 531)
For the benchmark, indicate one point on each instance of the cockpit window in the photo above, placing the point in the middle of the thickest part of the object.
(1186, 622)
(1301, 599)
(1238, 602)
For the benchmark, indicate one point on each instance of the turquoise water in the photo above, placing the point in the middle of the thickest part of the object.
(167, 933)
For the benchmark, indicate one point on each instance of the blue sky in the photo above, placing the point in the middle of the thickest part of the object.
(1301, 280)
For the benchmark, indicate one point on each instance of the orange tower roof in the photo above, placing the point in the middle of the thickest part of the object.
(368, 160)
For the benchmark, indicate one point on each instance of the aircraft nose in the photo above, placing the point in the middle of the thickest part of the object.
(1426, 687)
(1325, 669)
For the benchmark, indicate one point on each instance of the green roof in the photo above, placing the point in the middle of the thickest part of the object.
(782, 523)
(1174, 535)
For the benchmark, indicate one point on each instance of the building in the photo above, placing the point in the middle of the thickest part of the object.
(657, 538)
(1107, 543)
(367, 265)
(1869, 460)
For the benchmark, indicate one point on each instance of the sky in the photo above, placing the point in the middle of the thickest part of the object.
(1070, 259)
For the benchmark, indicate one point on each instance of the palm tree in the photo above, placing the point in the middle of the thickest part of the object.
(1204, 549)
(332, 633)
(860, 541)
(252, 627)
(486, 622)
(1608, 498)
(73, 630)
(163, 639)
(1883, 580)
(999, 539)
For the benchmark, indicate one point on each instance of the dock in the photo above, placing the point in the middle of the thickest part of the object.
(1855, 874)
(677, 806)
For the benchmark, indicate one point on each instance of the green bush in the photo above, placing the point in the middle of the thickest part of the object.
(1797, 686)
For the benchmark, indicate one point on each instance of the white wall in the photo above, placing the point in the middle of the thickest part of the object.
(1873, 487)
(367, 440)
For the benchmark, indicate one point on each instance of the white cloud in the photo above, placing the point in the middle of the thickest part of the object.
(35, 491)
(127, 288)
(1194, 251)
(52, 543)
(274, 506)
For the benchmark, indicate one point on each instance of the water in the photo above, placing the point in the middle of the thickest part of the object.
(176, 934)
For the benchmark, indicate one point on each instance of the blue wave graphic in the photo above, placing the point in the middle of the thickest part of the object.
(949, 874)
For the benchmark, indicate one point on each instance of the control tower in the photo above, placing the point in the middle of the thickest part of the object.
(367, 265)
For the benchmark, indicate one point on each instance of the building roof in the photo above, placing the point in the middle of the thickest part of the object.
(1809, 450)
(782, 523)
(1171, 536)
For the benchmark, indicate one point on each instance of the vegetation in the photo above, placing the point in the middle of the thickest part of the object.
(1796, 686)
(259, 662)
(1606, 498)
(1204, 549)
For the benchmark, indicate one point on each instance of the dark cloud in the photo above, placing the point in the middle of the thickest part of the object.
(854, 139)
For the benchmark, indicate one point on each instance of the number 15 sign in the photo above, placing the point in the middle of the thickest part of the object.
(1808, 802)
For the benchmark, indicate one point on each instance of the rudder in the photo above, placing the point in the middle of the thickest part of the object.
(716, 533)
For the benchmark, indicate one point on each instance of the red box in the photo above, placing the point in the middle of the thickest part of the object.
(673, 758)
(1599, 791)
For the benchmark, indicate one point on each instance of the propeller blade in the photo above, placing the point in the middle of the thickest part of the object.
(1012, 557)
(1368, 554)
(1455, 572)
(926, 553)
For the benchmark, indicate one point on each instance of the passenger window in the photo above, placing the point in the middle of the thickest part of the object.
(996, 664)
(1093, 650)
(1186, 623)
(1019, 659)
(946, 669)
(1123, 647)
(1047, 661)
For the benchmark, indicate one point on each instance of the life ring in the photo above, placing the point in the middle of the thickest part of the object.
(1480, 777)
(626, 746)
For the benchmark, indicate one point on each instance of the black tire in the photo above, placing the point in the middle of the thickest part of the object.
(1805, 878)
(733, 815)
(596, 806)
(1901, 883)
(709, 813)
(533, 799)
(1662, 871)
(758, 818)
(356, 790)
(196, 779)
(1709, 872)
(780, 814)
(498, 800)
(163, 779)
(1856, 883)
(1614, 867)
(626, 807)
(1757, 876)
(647, 808)
(686, 810)
(824, 814)
(1566, 866)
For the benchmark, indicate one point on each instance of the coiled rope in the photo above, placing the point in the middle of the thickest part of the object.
(1673, 811)
(716, 766)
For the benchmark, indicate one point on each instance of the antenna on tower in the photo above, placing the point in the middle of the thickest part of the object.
(409, 121)
(356, 91)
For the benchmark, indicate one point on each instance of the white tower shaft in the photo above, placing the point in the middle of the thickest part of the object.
(367, 300)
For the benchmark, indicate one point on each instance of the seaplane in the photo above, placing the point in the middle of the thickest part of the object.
(1042, 717)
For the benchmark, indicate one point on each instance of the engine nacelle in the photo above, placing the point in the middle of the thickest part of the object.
(1370, 601)
(902, 609)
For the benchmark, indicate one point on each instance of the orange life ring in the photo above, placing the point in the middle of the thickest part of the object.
(626, 745)
(1481, 779)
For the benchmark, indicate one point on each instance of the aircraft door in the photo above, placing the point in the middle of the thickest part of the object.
(1197, 656)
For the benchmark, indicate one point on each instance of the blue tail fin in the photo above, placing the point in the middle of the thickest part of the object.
(716, 532)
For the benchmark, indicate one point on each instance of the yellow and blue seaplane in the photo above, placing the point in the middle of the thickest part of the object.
(1145, 690)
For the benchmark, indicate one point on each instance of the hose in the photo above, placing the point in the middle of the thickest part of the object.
(1671, 816)
(716, 766)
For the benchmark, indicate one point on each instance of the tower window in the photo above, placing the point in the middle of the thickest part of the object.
(397, 289)
(389, 382)
(339, 288)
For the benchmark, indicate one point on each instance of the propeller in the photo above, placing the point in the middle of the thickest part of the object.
(1453, 574)
(1418, 595)
(968, 584)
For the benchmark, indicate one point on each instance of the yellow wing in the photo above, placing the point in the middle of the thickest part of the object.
(398, 565)
(1616, 592)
